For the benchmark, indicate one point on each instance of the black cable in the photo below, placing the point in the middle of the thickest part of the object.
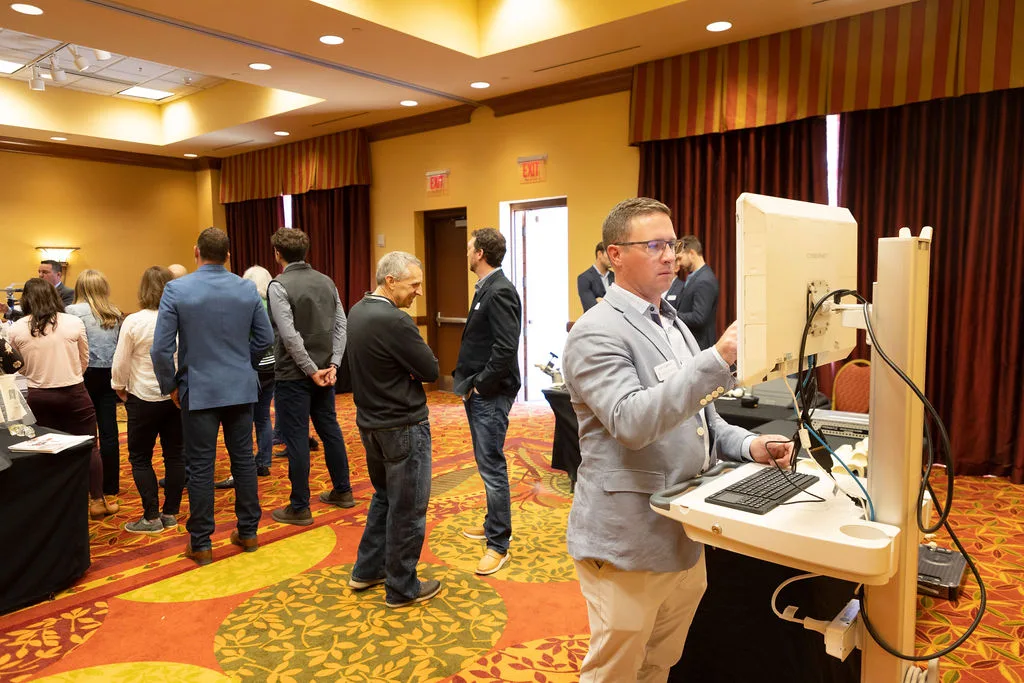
(925, 479)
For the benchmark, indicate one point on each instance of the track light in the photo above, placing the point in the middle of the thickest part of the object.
(102, 55)
(81, 63)
(36, 82)
(57, 73)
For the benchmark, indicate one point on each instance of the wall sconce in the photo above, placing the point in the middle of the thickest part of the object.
(58, 254)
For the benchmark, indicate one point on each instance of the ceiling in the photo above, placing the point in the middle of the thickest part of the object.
(428, 51)
(107, 76)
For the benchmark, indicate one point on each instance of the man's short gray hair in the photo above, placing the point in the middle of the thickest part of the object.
(395, 264)
(617, 224)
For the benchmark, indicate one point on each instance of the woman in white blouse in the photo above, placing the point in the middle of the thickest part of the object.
(150, 413)
(55, 351)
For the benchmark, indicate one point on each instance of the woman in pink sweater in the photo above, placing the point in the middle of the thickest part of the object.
(55, 351)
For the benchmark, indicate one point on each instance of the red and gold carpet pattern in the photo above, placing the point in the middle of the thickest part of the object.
(144, 613)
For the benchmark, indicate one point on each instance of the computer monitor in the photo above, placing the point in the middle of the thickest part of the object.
(788, 255)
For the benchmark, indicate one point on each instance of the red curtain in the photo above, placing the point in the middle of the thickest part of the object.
(338, 224)
(699, 178)
(954, 164)
(249, 226)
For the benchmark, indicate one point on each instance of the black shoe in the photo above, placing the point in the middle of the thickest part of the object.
(428, 589)
(228, 483)
(162, 482)
(288, 515)
(314, 445)
(342, 500)
(262, 471)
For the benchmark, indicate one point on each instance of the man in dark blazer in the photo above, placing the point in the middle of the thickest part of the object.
(487, 377)
(52, 271)
(595, 280)
(216, 323)
(698, 302)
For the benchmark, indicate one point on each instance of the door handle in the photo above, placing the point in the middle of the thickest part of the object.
(442, 320)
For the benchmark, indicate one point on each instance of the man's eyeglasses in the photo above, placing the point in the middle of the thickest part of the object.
(657, 247)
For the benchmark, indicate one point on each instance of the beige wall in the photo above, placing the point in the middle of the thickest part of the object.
(123, 218)
(589, 161)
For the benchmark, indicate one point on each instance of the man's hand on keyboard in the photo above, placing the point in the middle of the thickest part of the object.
(769, 447)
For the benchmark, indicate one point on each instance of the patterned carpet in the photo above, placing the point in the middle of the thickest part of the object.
(144, 613)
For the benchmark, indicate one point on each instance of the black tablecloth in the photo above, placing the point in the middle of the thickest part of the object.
(565, 445)
(748, 418)
(44, 522)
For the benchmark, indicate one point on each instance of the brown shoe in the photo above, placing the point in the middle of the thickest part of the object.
(249, 545)
(492, 561)
(200, 557)
(97, 508)
(476, 533)
(112, 505)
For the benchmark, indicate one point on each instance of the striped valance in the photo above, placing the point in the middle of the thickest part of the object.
(908, 53)
(317, 164)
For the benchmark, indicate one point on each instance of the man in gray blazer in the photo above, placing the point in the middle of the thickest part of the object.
(643, 392)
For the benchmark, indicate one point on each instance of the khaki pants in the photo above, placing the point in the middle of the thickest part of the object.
(638, 620)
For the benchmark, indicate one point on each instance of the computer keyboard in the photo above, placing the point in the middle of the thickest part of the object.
(763, 490)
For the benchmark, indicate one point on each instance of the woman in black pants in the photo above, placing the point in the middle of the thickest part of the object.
(102, 324)
(150, 413)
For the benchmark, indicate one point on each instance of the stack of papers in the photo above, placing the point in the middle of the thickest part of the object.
(49, 443)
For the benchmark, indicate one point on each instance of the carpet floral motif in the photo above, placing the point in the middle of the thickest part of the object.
(555, 659)
(314, 626)
(25, 650)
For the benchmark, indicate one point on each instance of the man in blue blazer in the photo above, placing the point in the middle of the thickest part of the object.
(644, 395)
(697, 302)
(592, 283)
(216, 322)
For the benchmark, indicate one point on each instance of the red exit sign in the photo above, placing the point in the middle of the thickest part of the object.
(437, 182)
(532, 169)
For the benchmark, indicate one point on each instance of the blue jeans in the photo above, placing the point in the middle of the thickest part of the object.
(299, 401)
(200, 429)
(398, 461)
(264, 429)
(488, 422)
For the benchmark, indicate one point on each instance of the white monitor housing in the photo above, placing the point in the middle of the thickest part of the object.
(788, 255)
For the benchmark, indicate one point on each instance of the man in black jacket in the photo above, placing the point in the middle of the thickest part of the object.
(389, 362)
(698, 302)
(592, 283)
(487, 378)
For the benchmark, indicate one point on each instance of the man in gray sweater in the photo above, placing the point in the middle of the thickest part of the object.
(389, 362)
(309, 323)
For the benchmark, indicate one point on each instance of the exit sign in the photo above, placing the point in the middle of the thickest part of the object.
(437, 182)
(533, 169)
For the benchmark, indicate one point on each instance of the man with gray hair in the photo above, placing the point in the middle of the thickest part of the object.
(389, 362)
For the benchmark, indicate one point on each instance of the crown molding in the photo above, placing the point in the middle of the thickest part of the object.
(80, 153)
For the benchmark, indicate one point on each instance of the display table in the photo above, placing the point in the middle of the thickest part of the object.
(44, 533)
(733, 412)
(565, 444)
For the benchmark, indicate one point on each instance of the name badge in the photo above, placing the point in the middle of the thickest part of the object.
(477, 307)
(666, 370)
(671, 297)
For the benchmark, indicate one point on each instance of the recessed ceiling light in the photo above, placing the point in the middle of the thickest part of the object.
(259, 66)
(190, 155)
(479, 85)
(145, 93)
(58, 138)
(719, 26)
(408, 103)
(22, 8)
(9, 67)
(282, 133)
(332, 40)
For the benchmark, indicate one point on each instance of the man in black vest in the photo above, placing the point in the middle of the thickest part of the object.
(487, 378)
(310, 324)
(389, 362)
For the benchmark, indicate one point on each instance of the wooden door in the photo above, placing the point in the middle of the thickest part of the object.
(445, 240)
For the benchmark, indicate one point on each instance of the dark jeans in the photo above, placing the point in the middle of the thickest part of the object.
(398, 461)
(69, 409)
(299, 401)
(146, 421)
(200, 428)
(488, 422)
(264, 428)
(104, 399)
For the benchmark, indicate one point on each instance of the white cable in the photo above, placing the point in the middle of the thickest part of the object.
(790, 611)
